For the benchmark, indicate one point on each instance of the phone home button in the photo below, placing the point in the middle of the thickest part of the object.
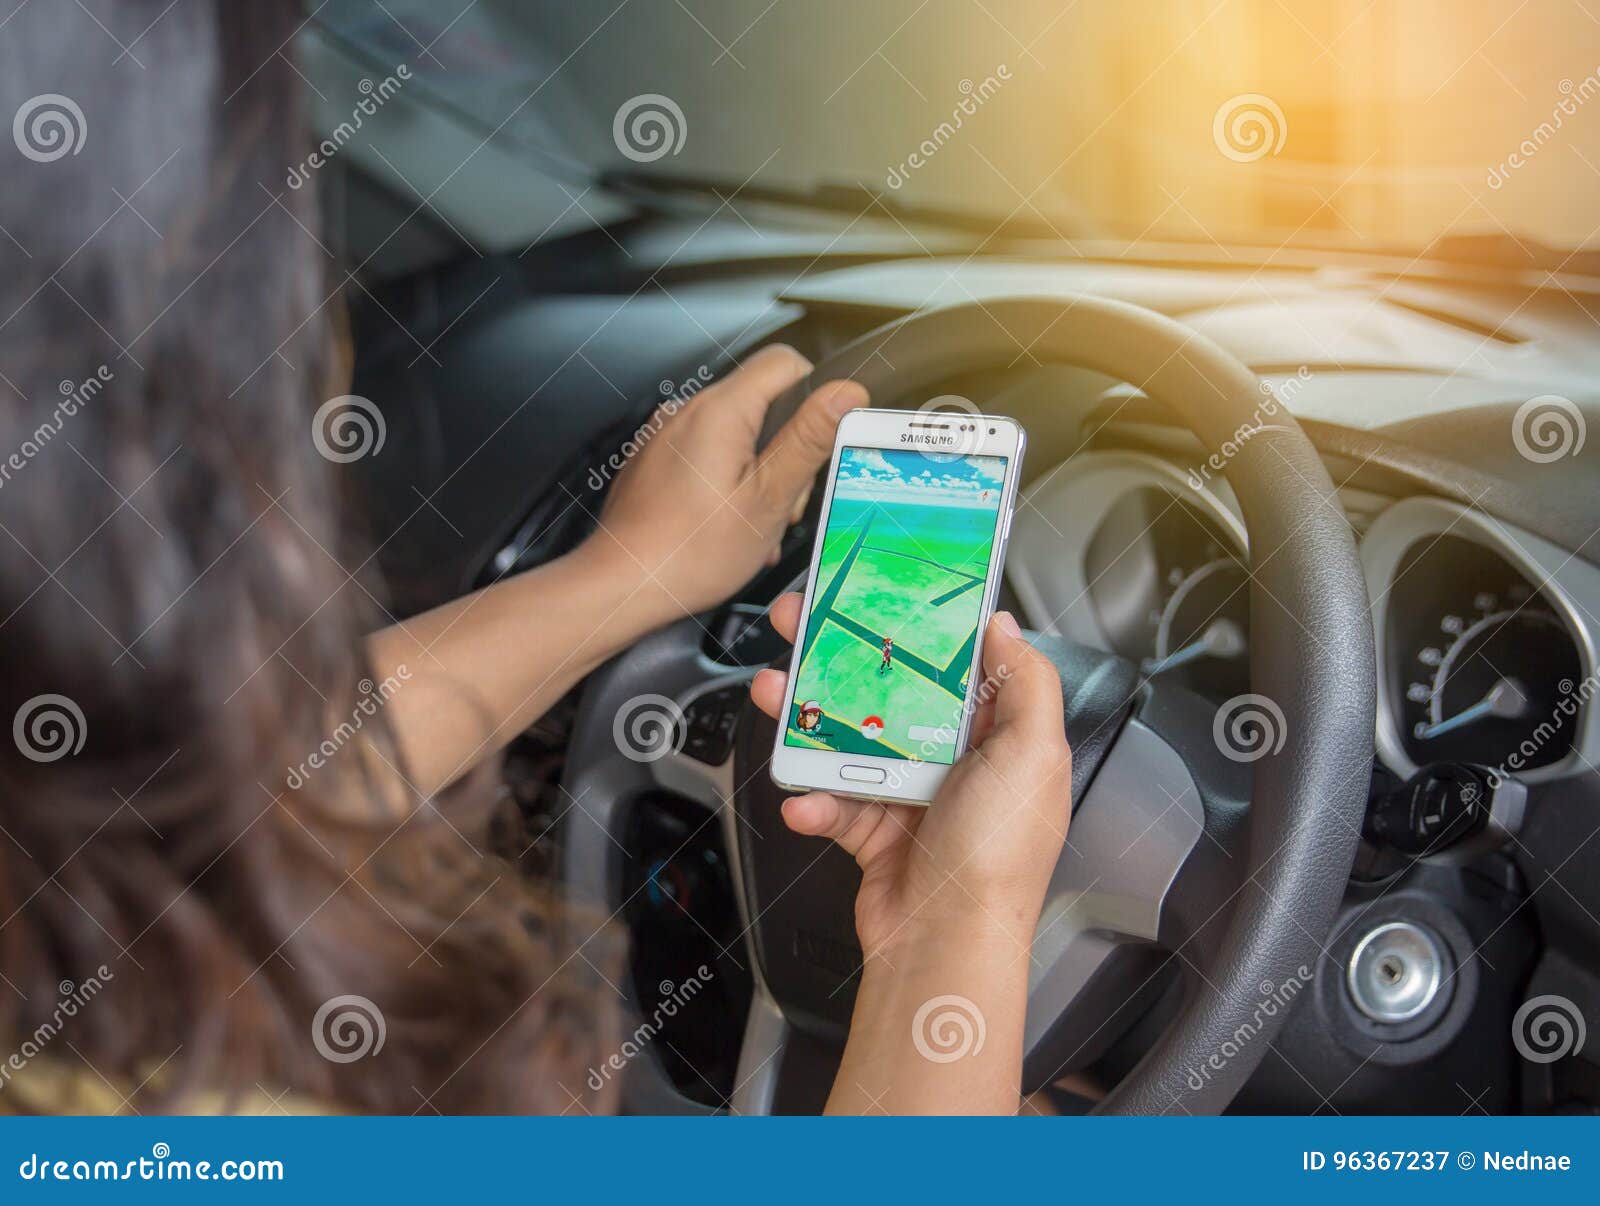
(863, 774)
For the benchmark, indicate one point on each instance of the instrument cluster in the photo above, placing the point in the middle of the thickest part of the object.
(1486, 635)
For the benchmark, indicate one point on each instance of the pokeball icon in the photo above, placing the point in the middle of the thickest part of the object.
(872, 728)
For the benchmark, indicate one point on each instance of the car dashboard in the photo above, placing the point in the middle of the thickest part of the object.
(1482, 563)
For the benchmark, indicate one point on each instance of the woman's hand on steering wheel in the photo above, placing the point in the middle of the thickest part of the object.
(696, 511)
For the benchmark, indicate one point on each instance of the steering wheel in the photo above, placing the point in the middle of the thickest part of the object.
(1213, 840)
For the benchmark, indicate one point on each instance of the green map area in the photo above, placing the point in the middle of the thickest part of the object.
(911, 571)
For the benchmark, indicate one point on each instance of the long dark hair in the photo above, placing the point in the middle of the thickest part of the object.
(183, 602)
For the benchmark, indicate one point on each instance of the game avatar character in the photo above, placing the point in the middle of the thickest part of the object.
(888, 656)
(810, 716)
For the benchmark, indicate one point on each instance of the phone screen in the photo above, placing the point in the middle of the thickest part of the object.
(896, 604)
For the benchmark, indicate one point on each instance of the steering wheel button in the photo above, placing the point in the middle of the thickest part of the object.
(863, 774)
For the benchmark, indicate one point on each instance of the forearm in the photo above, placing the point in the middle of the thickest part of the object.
(480, 669)
(938, 1027)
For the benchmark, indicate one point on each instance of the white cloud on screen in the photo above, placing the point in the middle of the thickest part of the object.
(947, 491)
(871, 458)
(989, 467)
(867, 475)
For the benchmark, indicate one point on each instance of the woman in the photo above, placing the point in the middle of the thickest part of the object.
(186, 603)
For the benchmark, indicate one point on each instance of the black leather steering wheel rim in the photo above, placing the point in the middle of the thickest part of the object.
(1309, 795)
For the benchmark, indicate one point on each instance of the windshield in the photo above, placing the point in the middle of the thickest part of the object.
(1383, 125)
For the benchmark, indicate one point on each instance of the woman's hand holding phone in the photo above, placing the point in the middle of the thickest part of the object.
(950, 892)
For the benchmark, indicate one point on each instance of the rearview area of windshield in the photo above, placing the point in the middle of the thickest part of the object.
(1380, 126)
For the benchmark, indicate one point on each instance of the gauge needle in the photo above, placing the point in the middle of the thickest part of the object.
(1222, 638)
(1505, 699)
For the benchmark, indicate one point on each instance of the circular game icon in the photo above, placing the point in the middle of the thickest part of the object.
(810, 716)
(872, 728)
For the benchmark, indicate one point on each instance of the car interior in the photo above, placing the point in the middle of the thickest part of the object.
(1307, 521)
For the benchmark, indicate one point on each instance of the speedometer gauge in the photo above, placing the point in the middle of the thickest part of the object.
(1484, 670)
(1203, 628)
(1487, 643)
(1497, 686)
(1171, 591)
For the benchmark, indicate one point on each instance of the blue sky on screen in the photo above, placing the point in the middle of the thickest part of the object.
(900, 475)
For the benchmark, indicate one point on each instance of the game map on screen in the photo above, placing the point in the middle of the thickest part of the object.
(894, 617)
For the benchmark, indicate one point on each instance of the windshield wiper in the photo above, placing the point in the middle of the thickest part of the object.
(676, 192)
(844, 198)
(1504, 250)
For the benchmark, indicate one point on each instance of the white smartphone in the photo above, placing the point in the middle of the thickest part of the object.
(887, 663)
